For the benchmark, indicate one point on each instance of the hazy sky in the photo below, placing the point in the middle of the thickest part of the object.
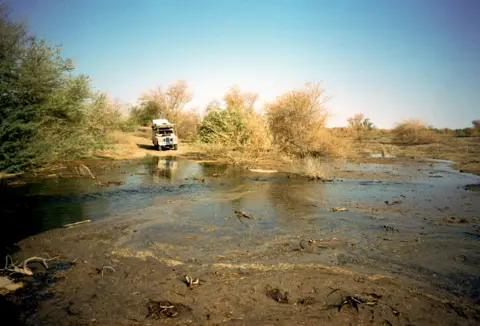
(388, 59)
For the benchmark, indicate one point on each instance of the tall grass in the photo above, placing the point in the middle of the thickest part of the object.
(310, 167)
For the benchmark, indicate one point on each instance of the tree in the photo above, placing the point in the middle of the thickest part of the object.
(297, 120)
(168, 104)
(476, 124)
(46, 113)
(236, 126)
(360, 123)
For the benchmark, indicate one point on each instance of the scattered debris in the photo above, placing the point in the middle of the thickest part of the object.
(395, 311)
(76, 223)
(165, 309)
(116, 183)
(191, 281)
(209, 228)
(306, 301)
(322, 179)
(395, 202)
(245, 215)
(354, 301)
(390, 228)
(338, 209)
(277, 295)
(199, 179)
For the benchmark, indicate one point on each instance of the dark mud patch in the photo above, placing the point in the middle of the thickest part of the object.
(473, 187)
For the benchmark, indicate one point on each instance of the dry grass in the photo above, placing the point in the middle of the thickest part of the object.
(246, 158)
(309, 166)
(413, 132)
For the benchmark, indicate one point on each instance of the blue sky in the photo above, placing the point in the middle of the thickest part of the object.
(390, 60)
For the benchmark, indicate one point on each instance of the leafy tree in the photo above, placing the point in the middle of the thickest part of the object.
(46, 112)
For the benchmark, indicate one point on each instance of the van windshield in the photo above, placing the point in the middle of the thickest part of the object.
(164, 131)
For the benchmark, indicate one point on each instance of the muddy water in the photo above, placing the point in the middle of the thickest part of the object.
(428, 231)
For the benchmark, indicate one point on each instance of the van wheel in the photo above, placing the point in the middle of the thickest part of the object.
(156, 147)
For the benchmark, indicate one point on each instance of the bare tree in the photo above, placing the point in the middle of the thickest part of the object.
(167, 104)
(235, 98)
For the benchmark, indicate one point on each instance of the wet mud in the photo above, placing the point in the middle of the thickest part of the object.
(180, 242)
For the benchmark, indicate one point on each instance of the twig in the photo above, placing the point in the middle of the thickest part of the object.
(86, 168)
(76, 223)
(107, 267)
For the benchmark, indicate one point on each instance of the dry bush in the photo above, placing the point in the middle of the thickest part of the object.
(297, 121)
(413, 132)
(235, 134)
(187, 125)
(476, 128)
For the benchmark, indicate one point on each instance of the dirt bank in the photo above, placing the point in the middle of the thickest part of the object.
(97, 280)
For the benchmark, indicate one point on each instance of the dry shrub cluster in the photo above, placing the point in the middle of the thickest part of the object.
(413, 132)
(297, 122)
(236, 133)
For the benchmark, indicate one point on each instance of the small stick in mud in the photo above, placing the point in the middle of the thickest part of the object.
(76, 223)
(245, 215)
(22, 268)
(107, 267)
(83, 166)
(338, 209)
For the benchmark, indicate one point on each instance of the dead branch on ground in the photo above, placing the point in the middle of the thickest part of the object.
(22, 268)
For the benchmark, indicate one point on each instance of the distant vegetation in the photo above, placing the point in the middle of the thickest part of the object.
(47, 112)
(169, 104)
(414, 132)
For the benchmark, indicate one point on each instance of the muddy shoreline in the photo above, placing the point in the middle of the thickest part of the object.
(405, 249)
